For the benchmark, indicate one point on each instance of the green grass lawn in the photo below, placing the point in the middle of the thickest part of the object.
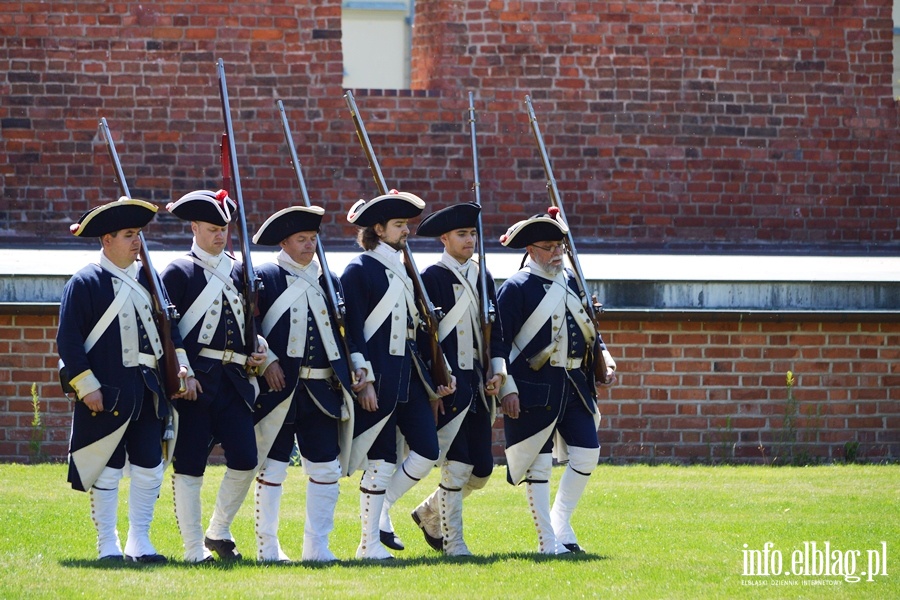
(650, 532)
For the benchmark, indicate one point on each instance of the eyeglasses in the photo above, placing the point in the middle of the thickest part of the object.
(552, 248)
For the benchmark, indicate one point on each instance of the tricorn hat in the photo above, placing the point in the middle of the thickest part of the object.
(124, 213)
(393, 205)
(458, 216)
(287, 222)
(203, 205)
(548, 227)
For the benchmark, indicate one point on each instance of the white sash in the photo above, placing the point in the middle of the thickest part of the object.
(295, 292)
(547, 307)
(124, 286)
(556, 301)
(218, 284)
(112, 311)
(297, 295)
(466, 306)
(391, 306)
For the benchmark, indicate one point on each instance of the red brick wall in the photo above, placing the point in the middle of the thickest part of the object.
(693, 391)
(672, 125)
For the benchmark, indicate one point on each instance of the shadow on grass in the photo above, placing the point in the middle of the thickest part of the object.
(485, 559)
(396, 563)
(106, 565)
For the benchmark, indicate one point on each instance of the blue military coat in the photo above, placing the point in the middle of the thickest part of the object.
(442, 287)
(275, 282)
(85, 299)
(185, 280)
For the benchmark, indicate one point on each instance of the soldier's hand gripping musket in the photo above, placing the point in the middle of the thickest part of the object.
(602, 372)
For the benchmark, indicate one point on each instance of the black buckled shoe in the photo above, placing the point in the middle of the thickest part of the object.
(574, 548)
(111, 558)
(224, 548)
(148, 559)
(435, 543)
(390, 540)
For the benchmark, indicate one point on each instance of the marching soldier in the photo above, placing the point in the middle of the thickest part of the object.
(110, 345)
(393, 387)
(306, 376)
(464, 427)
(205, 287)
(550, 389)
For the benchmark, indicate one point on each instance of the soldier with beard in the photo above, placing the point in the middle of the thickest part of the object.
(548, 398)
(396, 391)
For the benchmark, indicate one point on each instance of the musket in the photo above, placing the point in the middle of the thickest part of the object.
(164, 312)
(439, 372)
(232, 179)
(336, 303)
(590, 303)
(486, 310)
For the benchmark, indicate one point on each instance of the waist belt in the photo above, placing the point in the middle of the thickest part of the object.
(570, 363)
(227, 356)
(311, 373)
(148, 360)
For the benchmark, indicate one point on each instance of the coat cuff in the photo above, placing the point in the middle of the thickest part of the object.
(508, 387)
(84, 383)
(270, 358)
(610, 361)
(498, 366)
(183, 361)
(359, 362)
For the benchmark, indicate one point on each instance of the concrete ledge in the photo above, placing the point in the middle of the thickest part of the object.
(631, 286)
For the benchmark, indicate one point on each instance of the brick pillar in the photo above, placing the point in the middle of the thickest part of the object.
(439, 41)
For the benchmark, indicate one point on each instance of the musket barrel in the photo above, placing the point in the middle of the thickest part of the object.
(366, 144)
(251, 281)
(486, 308)
(337, 304)
(439, 372)
(600, 368)
(163, 309)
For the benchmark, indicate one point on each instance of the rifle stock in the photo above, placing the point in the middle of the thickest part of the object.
(599, 361)
(164, 311)
(231, 178)
(336, 303)
(439, 372)
(486, 309)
